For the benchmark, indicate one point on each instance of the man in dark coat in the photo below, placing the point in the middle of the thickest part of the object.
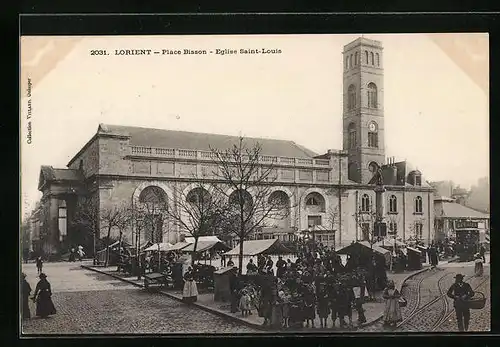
(280, 267)
(482, 252)
(234, 285)
(460, 292)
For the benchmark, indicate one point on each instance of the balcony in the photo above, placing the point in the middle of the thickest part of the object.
(203, 156)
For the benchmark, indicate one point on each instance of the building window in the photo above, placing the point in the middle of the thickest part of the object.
(313, 221)
(418, 180)
(356, 58)
(393, 228)
(372, 95)
(372, 59)
(373, 135)
(365, 203)
(366, 55)
(418, 204)
(351, 97)
(350, 61)
(62, 221)
(419, 228)
(393, 204)
(365, 229)
(315, 202)
(378, 59)
(351, 130)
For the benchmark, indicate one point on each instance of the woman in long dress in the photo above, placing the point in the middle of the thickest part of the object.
(392, 312)
(26, 291)
(42, 297)
(190, 291)
(478, 266)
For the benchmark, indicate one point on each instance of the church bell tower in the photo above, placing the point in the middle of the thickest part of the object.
(363, 108)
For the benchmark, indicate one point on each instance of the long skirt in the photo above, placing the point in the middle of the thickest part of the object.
(285, 308)
(245, 303)
(45, 306)
(190, 292)
(296, 315)
(478, 269)
(26, 313)
(276, 316)
(309, 312)
(392, 312)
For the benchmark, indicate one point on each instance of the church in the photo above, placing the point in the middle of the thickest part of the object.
(330, 194)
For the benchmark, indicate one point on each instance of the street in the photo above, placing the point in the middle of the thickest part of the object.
(430, 310)
(92, 303)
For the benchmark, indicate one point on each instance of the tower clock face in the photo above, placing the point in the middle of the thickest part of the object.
(372, 127)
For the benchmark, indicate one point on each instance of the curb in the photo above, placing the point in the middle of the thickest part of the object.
(203, 307)
(239, 320)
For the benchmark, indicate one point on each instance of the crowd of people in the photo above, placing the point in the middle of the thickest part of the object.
(317, 284)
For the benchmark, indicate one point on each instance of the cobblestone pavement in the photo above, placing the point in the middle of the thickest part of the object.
(92, 303)
(430, 310)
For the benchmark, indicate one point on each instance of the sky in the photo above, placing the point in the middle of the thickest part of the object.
(435, 95)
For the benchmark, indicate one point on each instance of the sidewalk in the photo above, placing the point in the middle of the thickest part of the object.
(373, 310)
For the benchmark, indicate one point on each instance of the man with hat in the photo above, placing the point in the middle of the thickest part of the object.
(460, 292)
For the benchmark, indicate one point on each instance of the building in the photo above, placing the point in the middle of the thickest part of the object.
(332, 194)
(451, 216)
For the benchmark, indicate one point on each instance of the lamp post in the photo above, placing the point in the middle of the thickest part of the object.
(379, 202)
(312, 229)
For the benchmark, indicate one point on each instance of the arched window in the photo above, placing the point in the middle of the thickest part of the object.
(418, 204)
(372, 59)
(199, 197)
(350, 61)
(372, 95)
(356, 58)
(315, 202)
(241, 197)
(365, 203)
(153, 195)
(351, 97)
(366, 55)
(351, 130)
(373, 135)
(280, 203)
(393, 204)
(378, 59)
(352, 171)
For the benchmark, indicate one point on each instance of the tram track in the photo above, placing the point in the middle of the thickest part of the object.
(446, 313)
(417, 310)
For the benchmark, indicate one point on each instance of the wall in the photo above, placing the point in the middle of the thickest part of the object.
(89, 158)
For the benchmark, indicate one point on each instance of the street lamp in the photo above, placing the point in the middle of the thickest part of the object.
(312, 229)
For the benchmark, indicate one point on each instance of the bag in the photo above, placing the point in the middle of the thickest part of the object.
(402, 302)
(476, 303)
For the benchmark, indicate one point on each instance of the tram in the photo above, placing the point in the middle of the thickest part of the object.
(467, 243)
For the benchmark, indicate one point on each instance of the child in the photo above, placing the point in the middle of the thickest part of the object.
(245, 304)
(323, 305)
(285, 299)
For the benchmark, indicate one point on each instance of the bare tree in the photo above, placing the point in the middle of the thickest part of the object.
(111, 218)
(366, 221)
(250, 176)
(87, 218)
(199, 212)
(332, 220)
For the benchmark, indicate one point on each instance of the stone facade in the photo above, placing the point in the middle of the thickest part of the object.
(326, 190)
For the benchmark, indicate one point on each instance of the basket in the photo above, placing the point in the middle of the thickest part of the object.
(477, 303)
(402, 302)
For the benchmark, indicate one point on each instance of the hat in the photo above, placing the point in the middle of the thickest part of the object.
(42, 275)
(459, 276)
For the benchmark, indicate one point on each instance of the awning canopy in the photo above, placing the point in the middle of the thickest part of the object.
(202, 238)
(162, 247)
(203, 246)
(255, 247)
(179, 245)
(115, 245)
(389, 244)
(363, 246)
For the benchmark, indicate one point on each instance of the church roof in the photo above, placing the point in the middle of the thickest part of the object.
(49, 174)
(400, 176)
(150, 137)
